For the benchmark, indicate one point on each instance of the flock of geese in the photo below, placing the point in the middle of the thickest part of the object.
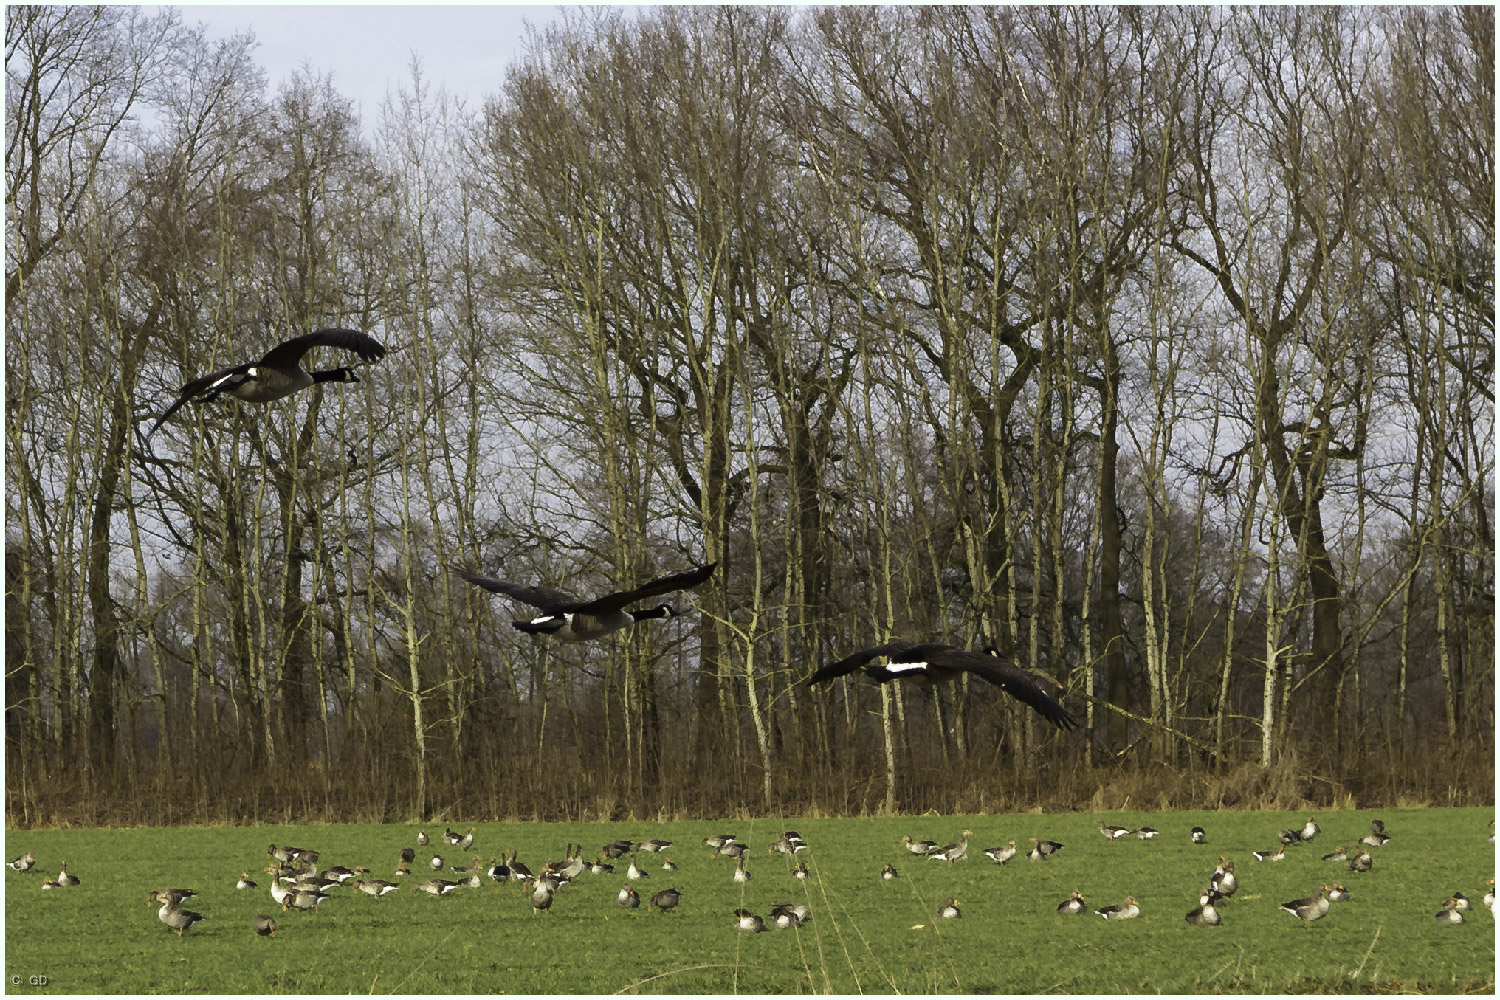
(567, 618)
(1224, 882)
(297, 883)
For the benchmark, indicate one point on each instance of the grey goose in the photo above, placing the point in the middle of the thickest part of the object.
(1309, 909)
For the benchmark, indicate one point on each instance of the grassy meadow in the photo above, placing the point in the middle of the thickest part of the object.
(865, 935)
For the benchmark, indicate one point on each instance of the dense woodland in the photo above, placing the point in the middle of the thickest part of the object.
(1153, 346)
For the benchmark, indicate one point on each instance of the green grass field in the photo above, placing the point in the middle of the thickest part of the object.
(865, 935)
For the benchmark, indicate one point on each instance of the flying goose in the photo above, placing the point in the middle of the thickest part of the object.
(573, 620)
(279, 373)
(934, 662)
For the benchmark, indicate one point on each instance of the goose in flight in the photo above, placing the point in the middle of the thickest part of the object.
(279, 373)
(935, 662)
(573, 620)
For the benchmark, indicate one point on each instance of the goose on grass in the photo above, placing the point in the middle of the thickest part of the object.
(953, 852)
(747, 921)
(667, 899)
(1000, 855)
(571, 619)
(1309, 909)
(1128, 910)
(785, 916)
(177, 919)
(1206, 913)
(919, 846)
(1073, 904)
(279, 373)
(932, 663)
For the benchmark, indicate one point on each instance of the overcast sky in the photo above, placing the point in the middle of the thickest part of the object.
(368, 48)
